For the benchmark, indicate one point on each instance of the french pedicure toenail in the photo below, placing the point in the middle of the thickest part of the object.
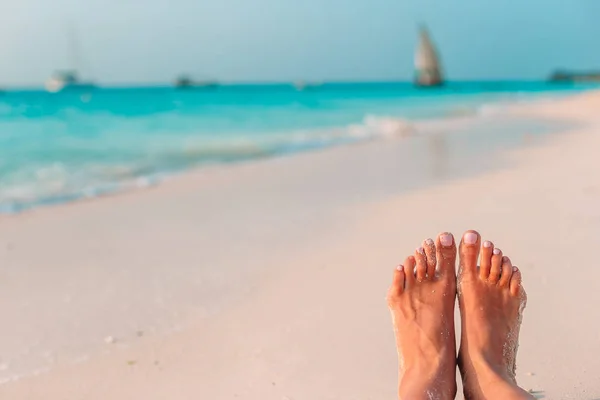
(429, 242)
(421, 250)
(470, 238)
(446, 240)
(487, 243)
(496, 251)
(400, 268)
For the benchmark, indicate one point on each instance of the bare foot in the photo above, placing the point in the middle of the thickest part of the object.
(421, 300)
(491, 301)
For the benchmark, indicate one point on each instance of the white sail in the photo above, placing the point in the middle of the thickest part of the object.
(427, 63)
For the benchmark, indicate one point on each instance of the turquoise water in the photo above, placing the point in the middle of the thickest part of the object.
(65, 146)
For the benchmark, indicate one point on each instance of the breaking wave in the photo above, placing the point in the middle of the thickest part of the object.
(85, 173)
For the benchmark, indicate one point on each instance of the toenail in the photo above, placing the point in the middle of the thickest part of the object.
(400, 268)
(470, 238)
(429, 242)
(496, 251)
(487, 243)
(446, 239)
(515, 269)
(505, 259)
(421, 250)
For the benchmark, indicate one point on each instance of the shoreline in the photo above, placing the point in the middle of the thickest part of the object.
(247, 266)
(393, 129)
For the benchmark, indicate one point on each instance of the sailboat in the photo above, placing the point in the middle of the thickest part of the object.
(428, 69)
(69, 79)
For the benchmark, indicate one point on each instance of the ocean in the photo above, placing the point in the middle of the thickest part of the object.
(66, 146)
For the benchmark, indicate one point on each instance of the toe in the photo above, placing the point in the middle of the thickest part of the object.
(429, 246)
(486, 259)
(409, 271)
(421, 264)
(397, 285)
(506, 273)
(497, 260)
(516, 289)
(446, 254)
(469, 252)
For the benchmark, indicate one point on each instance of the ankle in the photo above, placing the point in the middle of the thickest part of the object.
(483, 378)
(489, 370)
(433, 380)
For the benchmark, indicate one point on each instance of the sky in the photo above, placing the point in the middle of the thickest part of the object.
(152, 41)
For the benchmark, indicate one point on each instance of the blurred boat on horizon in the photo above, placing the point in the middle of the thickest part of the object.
(572, 76)
(428, 69)
(304, 85)
(67, 80)
(187, 82)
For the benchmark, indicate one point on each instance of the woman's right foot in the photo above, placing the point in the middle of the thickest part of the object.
(421, 300)
(491, 301)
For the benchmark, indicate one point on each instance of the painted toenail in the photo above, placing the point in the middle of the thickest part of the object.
(429, 242)
(421, 250)
(400, 268)
(496, 251)
(515, 269)
(505, 259)
(487, 243)
(470, 238)
(446, 239)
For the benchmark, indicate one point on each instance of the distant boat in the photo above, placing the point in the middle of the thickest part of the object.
(186, 82)
(303, 85)
(428, 68)
(570, 76)
(69, 79)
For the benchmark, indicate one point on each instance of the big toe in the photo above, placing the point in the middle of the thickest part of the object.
(446, 254)
(469, 252)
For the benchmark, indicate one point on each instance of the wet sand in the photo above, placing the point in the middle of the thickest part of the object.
(267, 280)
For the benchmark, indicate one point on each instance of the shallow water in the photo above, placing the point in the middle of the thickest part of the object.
(62, 147)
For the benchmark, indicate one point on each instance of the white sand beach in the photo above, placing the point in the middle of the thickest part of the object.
(267, 280)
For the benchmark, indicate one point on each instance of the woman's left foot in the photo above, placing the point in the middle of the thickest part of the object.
(421, 300)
